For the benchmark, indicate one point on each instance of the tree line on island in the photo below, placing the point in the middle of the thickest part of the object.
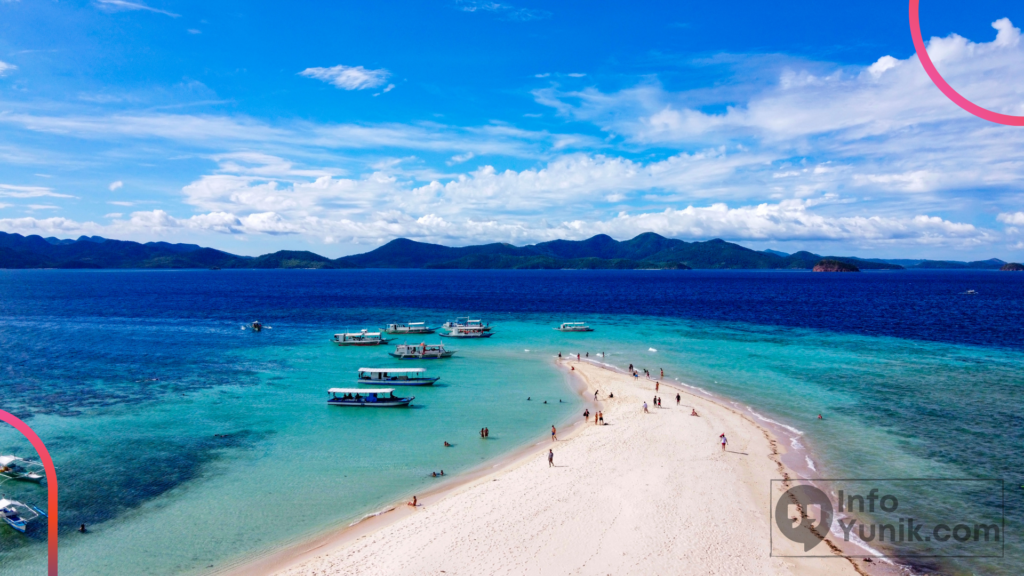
(646, 251)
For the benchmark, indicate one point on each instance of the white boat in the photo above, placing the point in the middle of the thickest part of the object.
(363, 338)
(396, 376)
(421, 352)
(574, 327)
(18, 515)
(369, 397)
(468, 332)
(14, 468)
(466, 322)
(256, 326)
(410, 328)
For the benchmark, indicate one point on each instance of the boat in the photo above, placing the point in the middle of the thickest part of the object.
(574, 327)
(369, 397)
(14, 468)
(396, 376)
(971, 292)
(18, 515)
(421, 352)
(468, 332)
(466, 322)
(256, 326)
(362, 338)
(410, 328)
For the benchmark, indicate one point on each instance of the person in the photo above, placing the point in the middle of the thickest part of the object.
(657, 385)
(553, 437)
(481, 432)
(662, 372)
(559, 354)
(413, 503)
(487, 432)
(693, 412)
(588, 354)
(573, 368)
(819, 417)
(611, 394)
(636, 375)
(551, 458)
(678, 398)
(434, 474)
(442, 472)
(82, 529)
(577, 356)
(601, 415)
(446, 444)
(528, 398)
(595, 394)
(631, 368)
(724, 441)
(545, 401)
(586, 415)
(645, 408)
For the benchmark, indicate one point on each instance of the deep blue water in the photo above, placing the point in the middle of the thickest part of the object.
(907, 354)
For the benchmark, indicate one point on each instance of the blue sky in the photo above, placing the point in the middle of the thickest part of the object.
(334, 127)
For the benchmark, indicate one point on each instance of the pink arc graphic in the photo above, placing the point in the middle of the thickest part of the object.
(51, 487)
(922, 55)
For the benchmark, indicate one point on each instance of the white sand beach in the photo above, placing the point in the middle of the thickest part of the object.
(645, 494)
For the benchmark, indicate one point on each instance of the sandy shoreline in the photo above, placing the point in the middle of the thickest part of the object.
(648, 493)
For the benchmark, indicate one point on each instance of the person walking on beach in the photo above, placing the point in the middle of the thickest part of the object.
(724, 441)
(631, 368)
(586, 415)
(551, 458)
(656, 386)
(595, 394)
(678, 398)
(553, 437)
(645, 408)
(601, 415)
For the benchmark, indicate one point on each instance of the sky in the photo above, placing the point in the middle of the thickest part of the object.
(337, 126)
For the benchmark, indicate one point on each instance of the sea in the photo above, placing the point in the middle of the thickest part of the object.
(187, 443)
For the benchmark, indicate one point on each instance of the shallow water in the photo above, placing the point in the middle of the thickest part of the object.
(185, 442)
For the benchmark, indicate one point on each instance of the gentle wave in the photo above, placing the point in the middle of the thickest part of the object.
(770, 421)
(373, 515)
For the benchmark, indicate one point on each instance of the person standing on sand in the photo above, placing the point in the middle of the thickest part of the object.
(656, 386)
(551, 458)
(553, 437)
(595, 394)
(601, 414)
(678, 398)
(586, 415)
(724, 441)
(645, 408)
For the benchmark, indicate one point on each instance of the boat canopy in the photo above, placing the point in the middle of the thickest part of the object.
(361, 390)
(395, 370)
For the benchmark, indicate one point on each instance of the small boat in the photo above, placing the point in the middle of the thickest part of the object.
(256, 326)
(468, 332)
(971, 292)
(574, 327)
(396, 376)
(466, 322)
(369, 397)
(421, 352)
(363, 338)
(410, 328)
(14, 468)
(18, 515)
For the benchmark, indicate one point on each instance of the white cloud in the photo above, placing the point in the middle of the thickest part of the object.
(1011, 218)
(113, 215)
(6, 68)
(116, 185)
(121, 203)
(576, 75)
(11, 191)
(460, 158)
(349, 77)
(194, 31)
(504, 11)
(124, 5)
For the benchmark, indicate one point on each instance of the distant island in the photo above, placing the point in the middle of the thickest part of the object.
(601, 252)
(828, 265)
(1012, 267)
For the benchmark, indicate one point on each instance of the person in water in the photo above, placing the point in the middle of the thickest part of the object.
(819, 417)
(446, 444)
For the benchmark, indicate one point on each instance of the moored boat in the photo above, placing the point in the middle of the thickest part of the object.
(574, 327)
(362, 338)
(396, 376)
(410, 328)
(256, 326)
(421, 352)
(468, 332)
(367, 397)
(466, 322)
(18, 515)
(14, 468)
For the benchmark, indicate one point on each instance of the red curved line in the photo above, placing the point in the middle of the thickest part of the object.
(940, 82)
(51, 486)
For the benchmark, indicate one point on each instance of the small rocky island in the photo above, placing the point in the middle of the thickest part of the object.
(1012, 267)
(834, 266)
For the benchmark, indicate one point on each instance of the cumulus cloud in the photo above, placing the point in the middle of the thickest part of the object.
(116, 185)
(1011, 218)
(124, 6)
(349, 77)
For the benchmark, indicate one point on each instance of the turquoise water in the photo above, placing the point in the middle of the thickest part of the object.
(185, 442)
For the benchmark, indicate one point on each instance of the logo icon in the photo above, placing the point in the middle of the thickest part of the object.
(802, 528)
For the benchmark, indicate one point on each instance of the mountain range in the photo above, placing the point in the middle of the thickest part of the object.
(648, 250)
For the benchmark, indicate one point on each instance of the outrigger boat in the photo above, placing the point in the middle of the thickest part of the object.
(421, 352)
(363, 338)
(18, 515)
(370, 397)
(410, 328)
(574, 327)
(468, 332)
(466, 322)
(396, 376)
(14, 468)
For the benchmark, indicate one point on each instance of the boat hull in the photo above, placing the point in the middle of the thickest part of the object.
(421, 356)
(476, 335)
(19, 525)
(411, 332)
(375, 343)
(409, 382)
(575, 330)
(399, 403)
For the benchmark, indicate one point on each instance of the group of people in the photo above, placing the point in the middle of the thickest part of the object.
(485, 432)
(598, 417)
(435, 474)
